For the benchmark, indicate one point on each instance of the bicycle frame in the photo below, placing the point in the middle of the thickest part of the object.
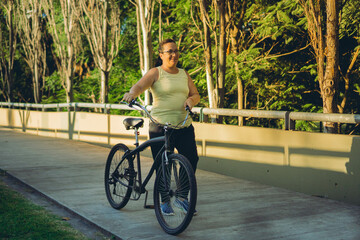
(136, 152)
(139, 148)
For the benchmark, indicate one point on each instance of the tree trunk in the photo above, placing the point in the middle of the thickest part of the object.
(2, 72)
(222, 53)
(160, 21)
(104, 73)
(36, 49)
(9, 83)
(12, 40)
(330, 84)
(36, 79)
(208, 56)
(69, 72)
(8, 61)
(222, 56)
(68, 88)
(235, 18)
(347, 81)
(145, 10)
(240, 90)
(104, 86)
(327, 54)
(234, 32)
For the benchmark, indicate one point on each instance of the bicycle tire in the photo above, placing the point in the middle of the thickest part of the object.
(118, 185)
(180, 220)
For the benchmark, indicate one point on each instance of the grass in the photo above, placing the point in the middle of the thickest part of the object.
(21, 219)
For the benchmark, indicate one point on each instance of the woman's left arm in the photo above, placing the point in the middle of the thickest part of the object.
(194, 97)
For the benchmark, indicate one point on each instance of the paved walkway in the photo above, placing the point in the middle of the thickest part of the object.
(71, 173)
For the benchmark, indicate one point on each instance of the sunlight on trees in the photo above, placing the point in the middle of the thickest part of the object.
(267, 55)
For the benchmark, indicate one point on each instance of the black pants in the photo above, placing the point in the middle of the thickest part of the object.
(182, 139)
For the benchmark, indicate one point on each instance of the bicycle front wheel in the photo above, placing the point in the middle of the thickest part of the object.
(175, 191)
(119, 177)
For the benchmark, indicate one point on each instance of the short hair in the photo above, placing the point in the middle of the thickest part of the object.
(162, 43)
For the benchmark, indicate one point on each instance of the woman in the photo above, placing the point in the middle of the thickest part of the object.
(172, 89)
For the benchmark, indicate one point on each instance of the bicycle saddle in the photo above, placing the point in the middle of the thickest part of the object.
(132, 123)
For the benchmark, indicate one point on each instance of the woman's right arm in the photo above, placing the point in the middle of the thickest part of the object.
(144, 83)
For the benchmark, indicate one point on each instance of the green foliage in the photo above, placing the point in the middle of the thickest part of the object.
(307, 126)
(276, 64)
(22, 81)
(350, 24)
(55, 93)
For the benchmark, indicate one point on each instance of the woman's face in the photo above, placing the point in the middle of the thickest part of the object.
(170, 54)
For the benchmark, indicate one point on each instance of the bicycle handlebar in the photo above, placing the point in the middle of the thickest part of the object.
(133, 102)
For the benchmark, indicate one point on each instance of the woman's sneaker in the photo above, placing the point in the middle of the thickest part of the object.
(183, 205)
(166, 209)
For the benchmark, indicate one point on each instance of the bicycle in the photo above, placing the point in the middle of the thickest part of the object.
(175, 178)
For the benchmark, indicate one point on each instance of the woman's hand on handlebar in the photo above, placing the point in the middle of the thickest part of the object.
(128, 97)
(189, 103)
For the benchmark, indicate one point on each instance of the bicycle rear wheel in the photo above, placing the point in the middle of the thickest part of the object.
(119, 177)
(180, 178)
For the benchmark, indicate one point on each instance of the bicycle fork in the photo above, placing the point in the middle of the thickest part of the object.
(165, 160)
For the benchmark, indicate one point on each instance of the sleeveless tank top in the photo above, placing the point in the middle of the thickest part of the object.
(169, 94)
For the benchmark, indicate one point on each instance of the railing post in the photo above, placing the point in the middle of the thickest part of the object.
(321, 126)
(201, 117)
(289, 124)
(105, 109)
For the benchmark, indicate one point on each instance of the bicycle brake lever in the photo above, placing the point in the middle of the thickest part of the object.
(187, 108)
(132, 102)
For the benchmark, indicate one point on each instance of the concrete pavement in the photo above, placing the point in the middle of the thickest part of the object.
(71, 173)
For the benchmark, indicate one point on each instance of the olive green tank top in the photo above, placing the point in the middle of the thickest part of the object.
(169, 94)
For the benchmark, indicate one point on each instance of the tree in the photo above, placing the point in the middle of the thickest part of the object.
(350, 36)
(236, 12)
(29, 27)
(222, 52)
(66, 38)
(207, 46)
(4, 81)
(326, 50)
(7, 48)
(144, 16)
(101, 25)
